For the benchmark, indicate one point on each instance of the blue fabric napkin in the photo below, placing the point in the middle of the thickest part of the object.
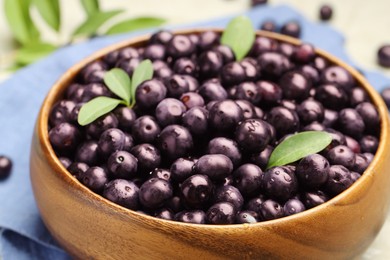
(22, 232)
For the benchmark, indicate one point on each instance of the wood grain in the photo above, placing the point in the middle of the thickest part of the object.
(89, 226)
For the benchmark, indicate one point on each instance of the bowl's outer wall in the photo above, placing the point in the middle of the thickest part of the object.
(89, 226)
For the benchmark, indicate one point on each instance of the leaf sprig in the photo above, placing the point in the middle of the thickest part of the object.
(120, 83)
(27, 33)
(299, 146)
(239, 35)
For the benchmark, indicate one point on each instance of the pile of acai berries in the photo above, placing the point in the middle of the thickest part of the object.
(195, 146)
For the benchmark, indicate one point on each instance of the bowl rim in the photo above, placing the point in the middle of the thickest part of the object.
(60, 85)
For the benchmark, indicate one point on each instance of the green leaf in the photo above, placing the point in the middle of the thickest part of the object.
(239, 36)
(50, 12)
(135, 24)
(298, 146)
(118, 81)
(90, 6)
(95, 108)
(143, 72)
(19, 20)
(93, 23)
(33, 52)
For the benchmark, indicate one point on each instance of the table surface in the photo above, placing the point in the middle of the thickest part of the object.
(364, 24)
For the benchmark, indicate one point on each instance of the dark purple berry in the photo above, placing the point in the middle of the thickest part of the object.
(312, 199)
(110, 141)
(77, 168)
(383, 55)
(64, 137)
(339, 76)
(122, 192)
(358, 95)
(273, 64)
(126, 117)
(352, 144)
(161, 37)
(261, 159)
(61, 112)
(258, 2)
(361, 163)
(312, 171)
(263, 44)
(180, 46)
(385, 94)
(227, 147)
(161, 173)
(148, 157)
(196, 120)
(154, 52)
(87, 153)
(169, 111)
(248, 110)
(185, 66)
(97, 127)
(284, 120)
(191, 216)
(155, 192)
(175, 141)
(145, 129)
(161, 70)
(279, 183)
(291, 28)
(122, 165)
(286, 49)
(230, 194)
(247, 179)
(216, 166)
(330, 117)
(295, 85)
(232, 73)
(369, 144)
(326, 12)
(351, 123)
(221, 213)
(5, 167)
(253, 135)
(248, 91)
(338, 181)
(331, 96)
(192, 99)
(197, 191)
(225, 115)
(310, 110)
(270, 92)
(246, 217)
(269, 26)
(304, 53)
(150, 93)
(95, 178)
(226, 52)
(128, 65)
(65, 161)
(212, 90)
(207, 40)
(370, 116)
(181, 169)
(164, 213)
(270, 209)
(341, 155)
(293, 206)
(177, 85)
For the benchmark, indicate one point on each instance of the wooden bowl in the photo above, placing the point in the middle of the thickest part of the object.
(89, 226)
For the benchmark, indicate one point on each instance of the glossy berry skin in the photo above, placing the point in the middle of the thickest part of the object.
(330, 117)
(164, 213)
(338, 76)
(161, 173)
(192, 99)
(154, 193)
(341, 155)
(232, 74)
(311, 73)
(94, 72)
(128, 65)
(110, 141)
(331, 96)
(293, 206)
(212, 90)
(145, 129)
(177, 85)
(97, 127)
(226, 52)
(246, 217)
(383, 56)
(77, 168)
(269, 26)
(64, 137)
(253, 135)
(247, 179)
(61, 112)
(126, 117)
(338, 181)
(361, 163)
(65, 161)
(271, 209)
(180, 46)
(270, 92)
(207, 40)
(369, 115)
(210, 64)
(369, 144)
(94, 178)
(169, 111)
(228, 193)
(221, 213)
(129, 142)
(87, 153)
(148, 157)
(122, 165)
(154, 52)
(261, 159)
(351, 123)
(262, 45)
(161, 37)
(295, 85)
(197, 191)
(286, 49)
(150, 93)
(196, 120)
(358, 96)
(385, 94)
(191, 216)
(251, 69)
(314, 126)
(279, 183)
(248, 91)
(312, 171)
(5, 167)
(352, 144)
(225, 115)
(185, 66)
(273, 64)
(161, 70)
(175, 141)
(326, 12)
(216, 166)
(284, 120)
(258, 2)
(310, 110)
(312, 199)
(181, 169)
(291, 28)
(254, 204)
(227, 147)
(122, 192)
(304, 53)
(248, 110)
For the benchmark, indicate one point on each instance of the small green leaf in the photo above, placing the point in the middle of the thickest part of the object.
(135, 24)
(50, 12)
(143, 72)
(33, 52)
(95, 108)
(19, 20)
(90, 6)
(298, 146)
(93, 23)
(118, 81)
(239, 36)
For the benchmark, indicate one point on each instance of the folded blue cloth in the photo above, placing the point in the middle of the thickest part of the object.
(22, 233)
